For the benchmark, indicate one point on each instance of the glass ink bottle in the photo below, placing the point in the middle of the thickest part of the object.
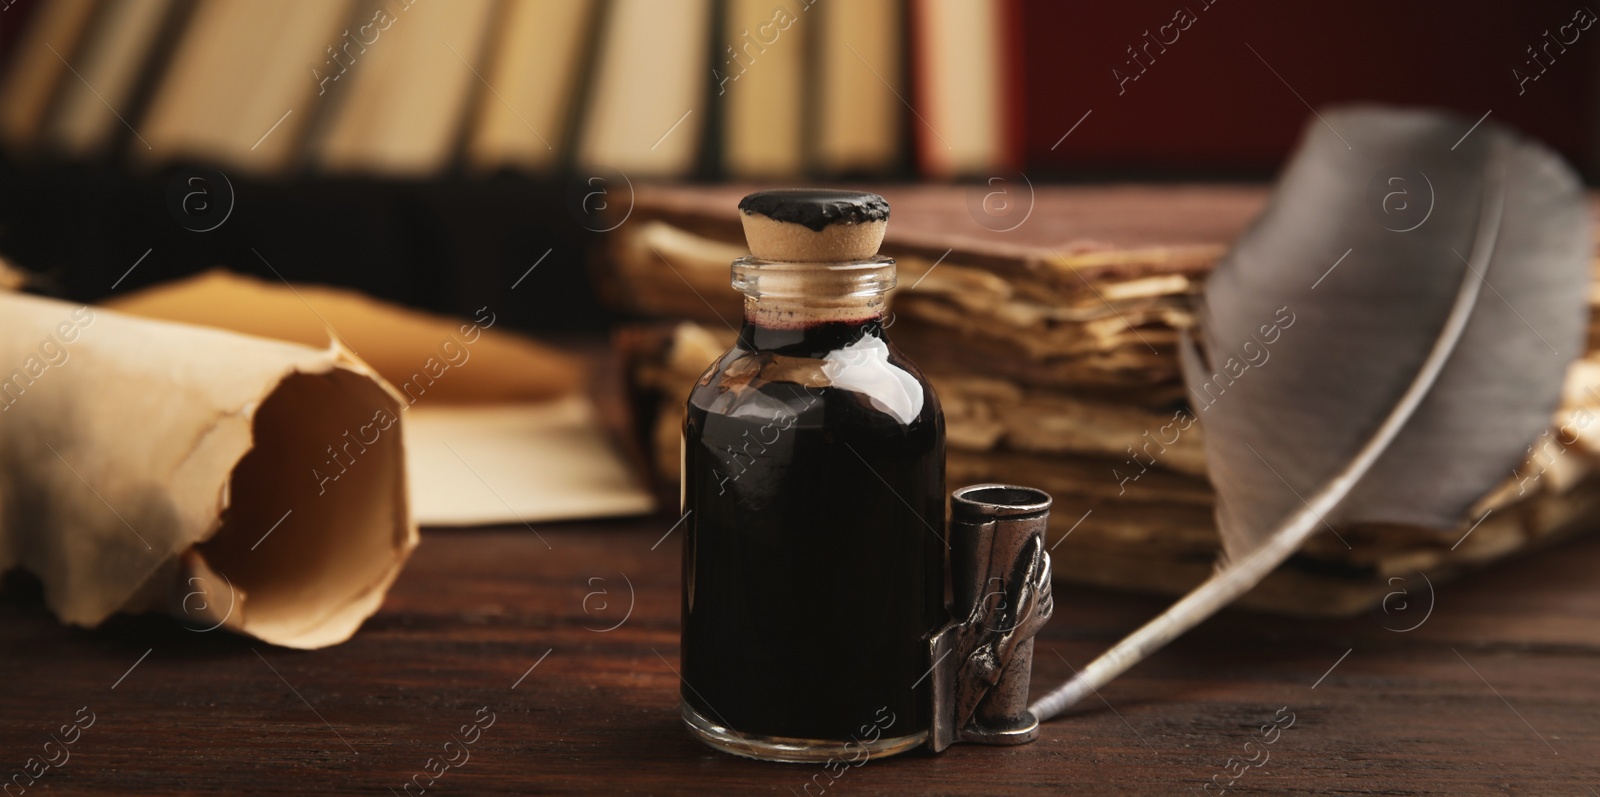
(813, 482)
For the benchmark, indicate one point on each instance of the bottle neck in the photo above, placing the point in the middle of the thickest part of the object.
(809, 309)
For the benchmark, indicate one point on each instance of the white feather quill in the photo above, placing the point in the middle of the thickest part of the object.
(1411, 391)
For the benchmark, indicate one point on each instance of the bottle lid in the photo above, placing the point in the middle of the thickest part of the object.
(814, 225)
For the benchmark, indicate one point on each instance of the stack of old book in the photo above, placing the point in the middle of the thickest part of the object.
(1048, 321)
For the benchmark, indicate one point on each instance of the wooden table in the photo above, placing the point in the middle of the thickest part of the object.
(571, 650)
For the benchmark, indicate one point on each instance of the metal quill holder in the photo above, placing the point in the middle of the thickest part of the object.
(1000, 576)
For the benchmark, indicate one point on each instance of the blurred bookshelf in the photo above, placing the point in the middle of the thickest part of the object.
(433, 152)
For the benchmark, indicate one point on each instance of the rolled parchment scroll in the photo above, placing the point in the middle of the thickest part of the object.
(230, 480)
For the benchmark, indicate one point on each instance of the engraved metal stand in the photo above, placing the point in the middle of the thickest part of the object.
(1000, 575)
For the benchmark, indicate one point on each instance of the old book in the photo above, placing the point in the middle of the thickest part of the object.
(90, 112)
(1087, 288)
(858, 125)
(966, 80)
(646, 106)
(533, 80)
(760, 76)
(404, 112)
(1087, 291)
(228, 95)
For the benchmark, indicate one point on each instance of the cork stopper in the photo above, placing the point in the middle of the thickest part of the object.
(814, 225)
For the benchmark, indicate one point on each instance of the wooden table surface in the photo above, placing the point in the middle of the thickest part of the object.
(565, 658)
